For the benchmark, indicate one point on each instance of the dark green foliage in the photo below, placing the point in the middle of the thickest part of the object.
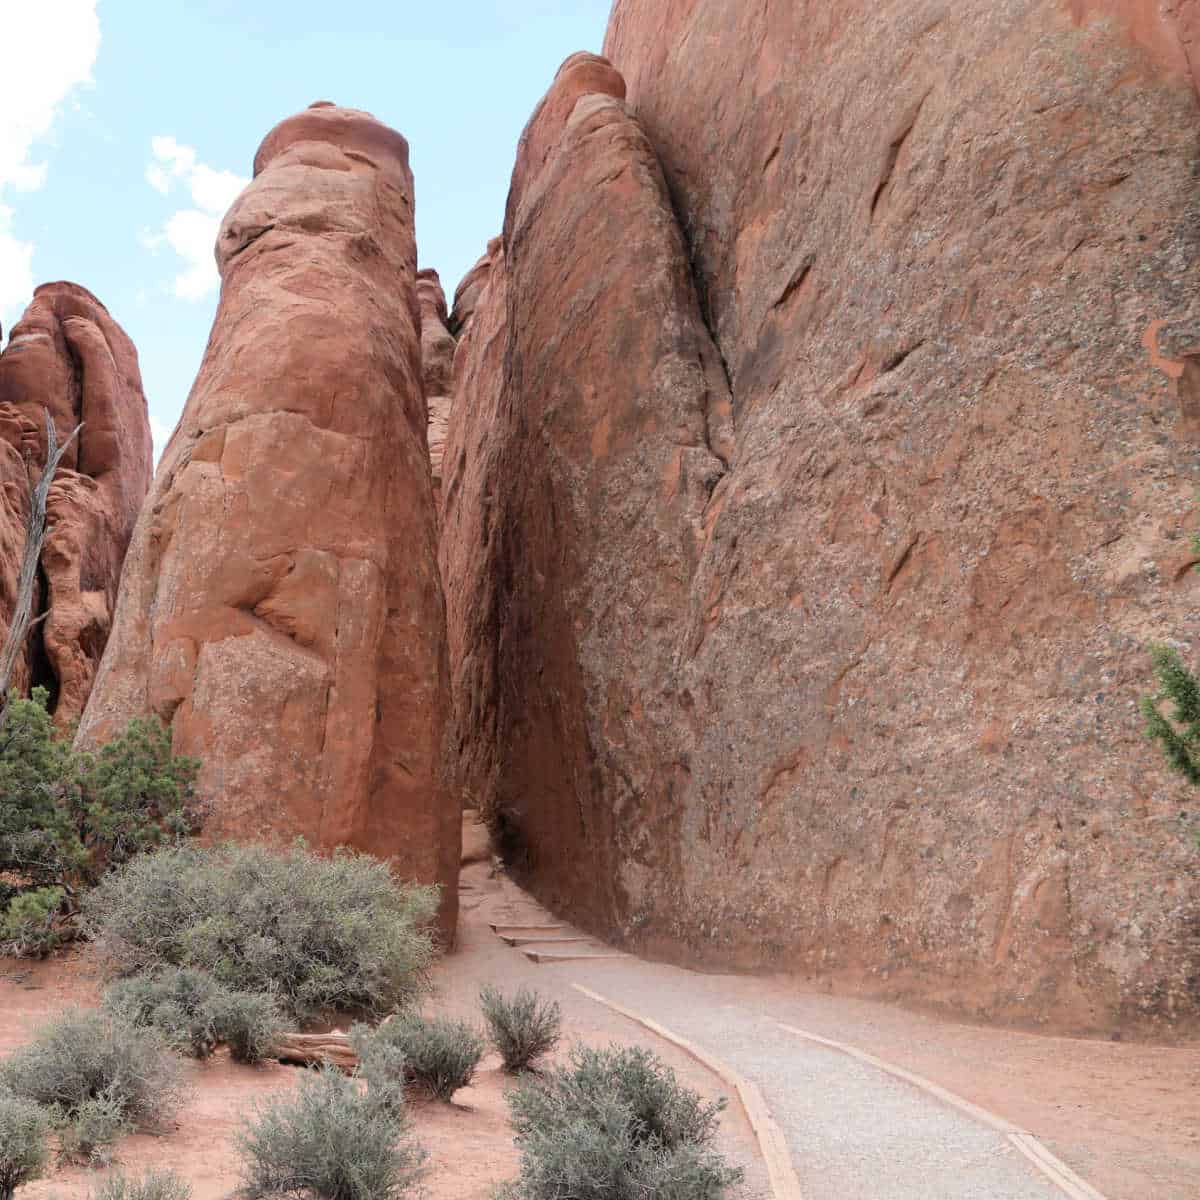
(436, 1055)
(523, 1027)
(97, 1076)
(616, 1125)
(195, 1013)
(329, 1140)
(1178, 732)
(154, 1185)
(24, 1131)
(316, 933)
(66, 817)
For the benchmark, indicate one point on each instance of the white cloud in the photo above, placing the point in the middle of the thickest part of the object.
(190, 232)
(53, 49)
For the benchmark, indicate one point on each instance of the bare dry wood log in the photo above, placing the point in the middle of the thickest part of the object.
(35, 537)
(316, 1049)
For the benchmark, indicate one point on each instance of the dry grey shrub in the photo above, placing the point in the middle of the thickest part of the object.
(316, 933)
(96, 1077)
(330, 1139)
(523, 1027)
(616, 1125)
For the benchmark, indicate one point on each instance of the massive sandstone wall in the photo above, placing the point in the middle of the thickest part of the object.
(281, 607)
(68, 357)
(853, 690)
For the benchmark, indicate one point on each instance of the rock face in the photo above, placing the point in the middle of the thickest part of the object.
(281, 606)
(67, 356)
(437, 368)
(846, 685)
(468, 292)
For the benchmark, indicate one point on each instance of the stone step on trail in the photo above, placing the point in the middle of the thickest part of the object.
(521, 939)
(545, 956)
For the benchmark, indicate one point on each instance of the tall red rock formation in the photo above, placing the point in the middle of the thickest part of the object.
(437, 367)
(281, 606)
(468, 292)
(68, 357)
(853, 692)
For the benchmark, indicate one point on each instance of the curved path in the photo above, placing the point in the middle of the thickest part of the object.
(855, 1127)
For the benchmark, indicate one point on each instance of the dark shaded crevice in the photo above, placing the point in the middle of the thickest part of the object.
(41, 669)
(892, 157)
(896, 360)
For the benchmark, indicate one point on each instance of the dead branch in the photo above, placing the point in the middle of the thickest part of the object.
(315, 1049)
(35, 537)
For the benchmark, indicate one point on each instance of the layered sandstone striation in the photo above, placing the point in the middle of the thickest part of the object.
(281, 607)
(437, 368)
(808, 634)
(67, 357)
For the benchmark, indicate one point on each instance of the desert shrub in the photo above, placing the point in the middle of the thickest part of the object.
(616, 1125)
(24, 1132)
(437, 1055)
(522, 1027)
(67, 817)
(154, 1185)
(317, 933)
(28, 925)
(97, 1075)
(195, 1013)
(329, 1140)
(94, 1128)
(248, 1023)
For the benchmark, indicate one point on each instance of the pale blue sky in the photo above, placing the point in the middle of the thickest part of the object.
(126, 126)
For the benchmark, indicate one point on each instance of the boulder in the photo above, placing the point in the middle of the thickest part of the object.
(68, 357)
(281, 607)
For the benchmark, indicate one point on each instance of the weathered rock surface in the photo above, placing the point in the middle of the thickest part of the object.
(852, 692)
(67, 356)
(437, 368)
(281, 606)
(468, 292)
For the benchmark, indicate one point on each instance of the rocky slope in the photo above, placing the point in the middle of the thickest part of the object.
(822, 460)
(281, 606)
(68, 357)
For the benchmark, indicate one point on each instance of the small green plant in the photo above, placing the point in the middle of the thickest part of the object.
(154, 1185)
(616, 1124)
(317, 933)
(27, 927)
(329, 1140)
(195, 1013)
(523, 1027)
(437, 1055)
(1177, 733)
(24, 1134)
(67, 817)
(97, 1077)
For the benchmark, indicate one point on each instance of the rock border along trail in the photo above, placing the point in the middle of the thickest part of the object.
(832, 1121)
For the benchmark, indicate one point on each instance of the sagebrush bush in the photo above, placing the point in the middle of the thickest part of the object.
(523, 1027)
(329, 1140)
(437, 1055)
(66, 817)
(195, 1013)
(153, 1185)
(94, 1128)
(24, 1143)
(98, 1076)
(616, 1125)
(317, 933)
